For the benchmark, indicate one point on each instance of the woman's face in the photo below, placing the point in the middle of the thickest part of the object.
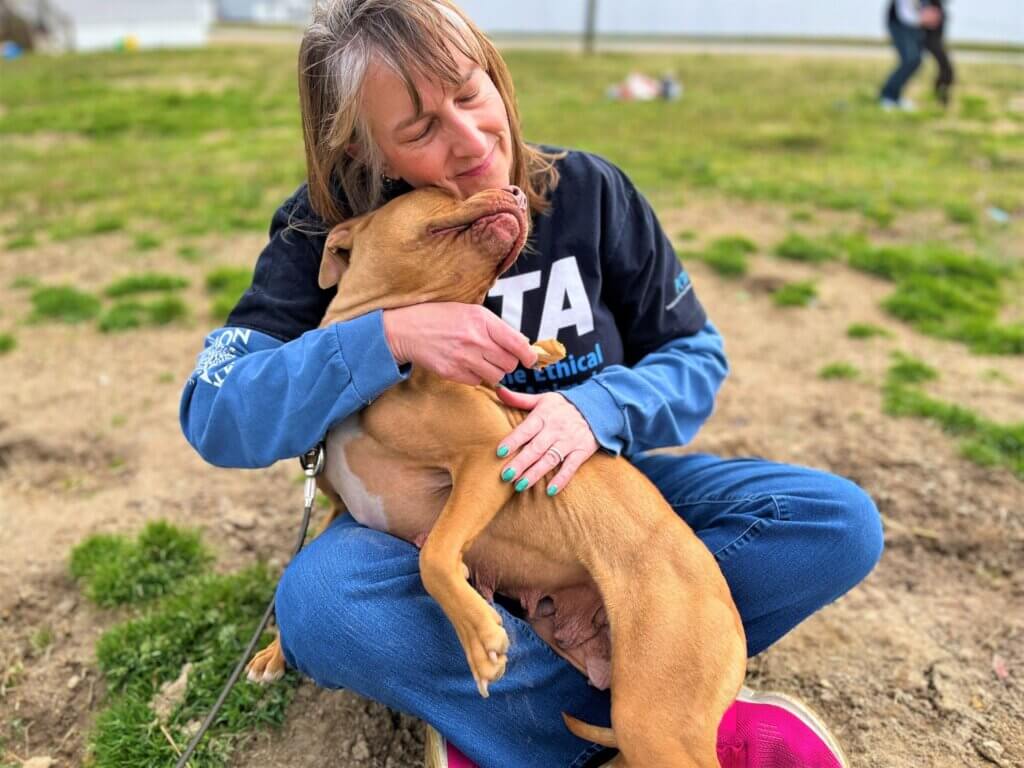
(459, 142)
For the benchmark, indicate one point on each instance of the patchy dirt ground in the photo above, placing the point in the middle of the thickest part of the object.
(922, 666)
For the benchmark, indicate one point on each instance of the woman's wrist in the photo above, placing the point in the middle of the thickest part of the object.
(392, 335)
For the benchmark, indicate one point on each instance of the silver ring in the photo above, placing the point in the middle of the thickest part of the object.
(558, 456)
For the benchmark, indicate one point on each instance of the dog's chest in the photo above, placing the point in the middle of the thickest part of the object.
(383, 489)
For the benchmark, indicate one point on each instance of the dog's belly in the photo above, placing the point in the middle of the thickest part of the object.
(382, 489)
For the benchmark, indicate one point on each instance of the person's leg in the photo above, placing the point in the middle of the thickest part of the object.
(907, 41)
(789, 539)
(935, 45)
(353, 613)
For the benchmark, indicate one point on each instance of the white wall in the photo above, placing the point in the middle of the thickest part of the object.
(974, 20)
(99, 24)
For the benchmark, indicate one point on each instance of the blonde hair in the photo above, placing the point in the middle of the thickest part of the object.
(414, 38)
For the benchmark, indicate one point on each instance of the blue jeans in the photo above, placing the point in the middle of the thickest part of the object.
(352, 611)
(908, 42)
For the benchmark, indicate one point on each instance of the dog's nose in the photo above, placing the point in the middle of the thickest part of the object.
(518, 194)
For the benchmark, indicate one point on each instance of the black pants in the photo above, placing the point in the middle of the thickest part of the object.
(935, 45)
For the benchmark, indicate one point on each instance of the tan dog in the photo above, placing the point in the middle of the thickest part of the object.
(419, 463)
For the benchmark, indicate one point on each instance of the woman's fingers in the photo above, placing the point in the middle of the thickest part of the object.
(573, 461)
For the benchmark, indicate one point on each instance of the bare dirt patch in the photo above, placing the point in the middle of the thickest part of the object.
(919, 667)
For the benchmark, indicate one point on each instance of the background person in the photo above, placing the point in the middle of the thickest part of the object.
(906, 21)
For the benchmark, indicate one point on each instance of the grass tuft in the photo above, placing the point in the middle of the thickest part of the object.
(839, 370)
(116, 571)
(799, 294)
(727, 255)
(866, 331)
(944, 293)
(143, 283)
(63, 303)
(799, 248)
(7, 343)
(206, 624)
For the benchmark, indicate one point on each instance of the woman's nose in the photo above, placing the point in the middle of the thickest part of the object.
(468, 139)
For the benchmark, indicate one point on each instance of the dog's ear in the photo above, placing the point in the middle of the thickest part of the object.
(334, 261)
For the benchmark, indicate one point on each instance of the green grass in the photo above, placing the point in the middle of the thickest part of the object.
(25, 281)
(115, 571)
(146, 241)
(144, 282)
(799, 248)
(128, 315)
(7, 343)
(839, 370)
(981, 441)
(727, 255)
(187, 142)
(866, 331)
(19, 242)
(798, 294)
(179, 613)
(961, 213)
(945, 293)
(63, 303)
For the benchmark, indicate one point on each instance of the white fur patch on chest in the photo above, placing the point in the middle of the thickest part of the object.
(365, 507)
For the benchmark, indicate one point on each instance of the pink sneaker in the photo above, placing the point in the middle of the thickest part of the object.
(770, 730)
(441, 754)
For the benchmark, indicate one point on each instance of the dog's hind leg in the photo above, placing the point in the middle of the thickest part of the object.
(476, 497)
(678, 656)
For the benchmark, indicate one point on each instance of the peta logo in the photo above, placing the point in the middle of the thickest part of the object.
(565, 302)
(683, 286)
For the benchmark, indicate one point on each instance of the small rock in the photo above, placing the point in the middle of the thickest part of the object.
(38, 762)
(67, 605)
(241, 520)
(991, 750)
(361, 751)
(73, 682)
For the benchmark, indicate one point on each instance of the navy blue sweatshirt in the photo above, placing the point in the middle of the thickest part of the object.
(643, 366)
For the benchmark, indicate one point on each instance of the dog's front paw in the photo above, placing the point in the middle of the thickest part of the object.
(486, 644)
(548, 351)
(267, 665)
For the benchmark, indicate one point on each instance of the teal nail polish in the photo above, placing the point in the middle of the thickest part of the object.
(552, 490)
(521, 485)
(508, 474)
(502, 451)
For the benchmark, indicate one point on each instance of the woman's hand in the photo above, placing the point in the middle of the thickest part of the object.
(554, 436)
(466, 343)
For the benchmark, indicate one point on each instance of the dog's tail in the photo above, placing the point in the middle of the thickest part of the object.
(603, 736)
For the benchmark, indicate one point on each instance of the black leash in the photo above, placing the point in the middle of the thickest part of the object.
(312, 464)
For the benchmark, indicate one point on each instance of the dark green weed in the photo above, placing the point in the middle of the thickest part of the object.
(7, 343)
(64, 303)
(798, 294)
(727, 255)
(145, 282)
(839, 370)
(983, 441)
(796, 247)
(115, 570)
(866, 331)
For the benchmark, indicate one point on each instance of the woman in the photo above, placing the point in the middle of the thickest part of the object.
(399, 94)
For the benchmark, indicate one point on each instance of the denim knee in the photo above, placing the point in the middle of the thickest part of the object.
(330, 600)
(859, 528)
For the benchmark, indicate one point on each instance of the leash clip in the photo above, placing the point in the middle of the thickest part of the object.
(312, 462)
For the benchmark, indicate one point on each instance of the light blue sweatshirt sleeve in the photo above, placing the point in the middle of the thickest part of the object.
(253, 399)
(661, 401)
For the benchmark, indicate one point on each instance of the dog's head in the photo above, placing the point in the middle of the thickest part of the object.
(423, 246)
